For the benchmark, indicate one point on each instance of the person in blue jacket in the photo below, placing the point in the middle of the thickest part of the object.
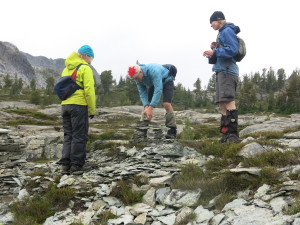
(227, 74)
(153, 81)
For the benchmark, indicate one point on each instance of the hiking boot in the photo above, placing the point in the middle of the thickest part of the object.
(224, 138)
(233, 138)
(78, 170)
(65, 169)
(171, 134)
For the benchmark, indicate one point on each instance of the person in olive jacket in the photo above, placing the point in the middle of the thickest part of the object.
(76, 111)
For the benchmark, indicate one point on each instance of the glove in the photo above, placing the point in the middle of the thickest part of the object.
(91, 116)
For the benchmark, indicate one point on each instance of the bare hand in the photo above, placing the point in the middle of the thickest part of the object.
(208, 53)
(148, 111)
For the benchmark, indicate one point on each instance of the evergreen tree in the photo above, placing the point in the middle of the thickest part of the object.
(247, 96)
(281, 79)
(50, 85)
(271, 84)
(33, 84)
(8, 82)
(106, 81)
(211, 87)
(293, 93)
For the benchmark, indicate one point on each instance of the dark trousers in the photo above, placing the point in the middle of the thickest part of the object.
(75, 124)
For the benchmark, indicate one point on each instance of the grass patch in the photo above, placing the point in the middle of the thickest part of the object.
(294, 208)
(272, 143)
(123, 191)
(215, 148)
(31, 211)
(33, 114)
(274, 159)
(270, 175)
(30, 122)
(266, 135)
(189, 178)
(206, 131)
(38, 208)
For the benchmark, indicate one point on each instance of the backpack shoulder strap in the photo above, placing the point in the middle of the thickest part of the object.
(74, 74)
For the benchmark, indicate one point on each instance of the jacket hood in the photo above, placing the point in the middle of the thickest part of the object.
(73, 61)
(235, 28)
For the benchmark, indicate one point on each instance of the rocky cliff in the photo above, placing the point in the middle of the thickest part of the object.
(22, 65)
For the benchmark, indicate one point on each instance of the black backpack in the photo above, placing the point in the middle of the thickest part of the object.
(172, 69)
(67, 85)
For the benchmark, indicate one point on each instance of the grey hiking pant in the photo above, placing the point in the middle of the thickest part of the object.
(76, 125)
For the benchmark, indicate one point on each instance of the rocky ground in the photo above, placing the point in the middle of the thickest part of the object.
(156, 160)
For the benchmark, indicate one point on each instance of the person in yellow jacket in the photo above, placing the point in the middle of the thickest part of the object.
(76, 111)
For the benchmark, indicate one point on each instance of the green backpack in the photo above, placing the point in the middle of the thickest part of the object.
(242, 50)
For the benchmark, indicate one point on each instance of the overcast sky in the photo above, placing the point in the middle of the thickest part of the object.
(156, 31)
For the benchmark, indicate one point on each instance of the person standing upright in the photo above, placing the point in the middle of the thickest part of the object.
(76, 111)
(227, 74)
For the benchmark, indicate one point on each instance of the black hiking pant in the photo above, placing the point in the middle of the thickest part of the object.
(75, 124)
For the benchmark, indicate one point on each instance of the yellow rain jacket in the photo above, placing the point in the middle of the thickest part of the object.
(84, 79)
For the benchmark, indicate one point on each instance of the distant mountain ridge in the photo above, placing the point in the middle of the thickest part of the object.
(22, 65)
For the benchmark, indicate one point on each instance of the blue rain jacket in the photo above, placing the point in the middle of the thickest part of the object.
(154, 75)
(228, 50)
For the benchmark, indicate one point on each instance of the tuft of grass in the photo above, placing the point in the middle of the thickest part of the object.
(223, 200)
(104, 217)
(31, 211)
(270, 175)
(38, 208)
(206, 131)
(189, 178)
(274, 159)
(124, 192)
(213, 147)
(140, 180)
(294, 208)
(188, 219)
(59, 197)
(187, 133)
